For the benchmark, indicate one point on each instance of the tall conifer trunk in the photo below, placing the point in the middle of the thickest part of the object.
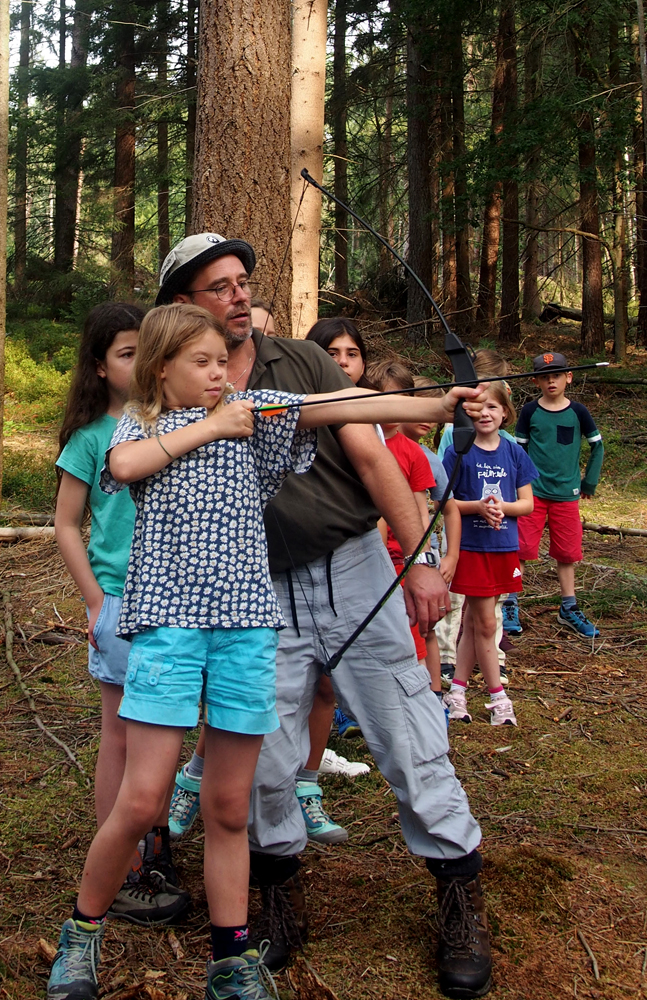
(418, 156)
(338, 108)
(21, 151)
(509, 325)
(448, 187)
(531, 303)
(191, 80)
(163, 233)
(123, 236)
(463, 284)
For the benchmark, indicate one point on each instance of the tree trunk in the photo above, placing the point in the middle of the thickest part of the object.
(448, 221)
(191, 79)
(338, 111)
(309, 28)
(163, 233)
(592, 335)
(20, 158)
(461, 202)
(531, 303)
(386, 166)
(123, 236)
(4, 165)
(619, 250)
(420, 256)
(486, 301)
(509, 325)
(242, 161)
(641, 227)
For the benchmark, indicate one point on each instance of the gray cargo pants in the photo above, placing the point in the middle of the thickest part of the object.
(380, 682)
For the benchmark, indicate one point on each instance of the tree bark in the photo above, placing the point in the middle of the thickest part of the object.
(163, 232)
(20, 159)
(338, 110)
(420, 208)
(4, 164)
(385, 160)
(509, 324)
(619, 250)
(191, 80)
(592, 334)
(242, 161)
(309, 29)
(641, 226)
(461, 202)
(531, 303)
(123, 236)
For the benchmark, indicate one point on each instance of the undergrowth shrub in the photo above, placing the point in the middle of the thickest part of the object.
(29, 480)
(39, 384)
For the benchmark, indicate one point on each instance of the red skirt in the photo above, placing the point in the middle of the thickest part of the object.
(421, 644)
(487, 574)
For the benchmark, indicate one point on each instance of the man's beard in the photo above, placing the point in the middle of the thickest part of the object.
(236, 338)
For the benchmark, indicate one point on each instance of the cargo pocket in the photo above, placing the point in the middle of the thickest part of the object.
(158, 672)
(425, 721)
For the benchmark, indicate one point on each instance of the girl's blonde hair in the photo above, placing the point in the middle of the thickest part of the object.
(162, 334)
(381, 372)
(501, 393)
(490, 363)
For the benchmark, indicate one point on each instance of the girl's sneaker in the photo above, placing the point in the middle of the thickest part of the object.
(319, 825)
(334, 763)
(577, 620)
(74, 971)
(456, 702)
(511, 623)
(502, 712)
(346, 727)
(245, 976)
(185, 803)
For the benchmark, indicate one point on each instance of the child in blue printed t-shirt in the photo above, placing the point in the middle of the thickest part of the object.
(492, 491)
(202, 615)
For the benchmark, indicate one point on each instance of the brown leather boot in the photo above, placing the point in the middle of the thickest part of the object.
(464, 959)
(283, 922)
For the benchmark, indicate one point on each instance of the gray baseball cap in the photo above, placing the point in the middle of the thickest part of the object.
(548, 361)
(193, 253)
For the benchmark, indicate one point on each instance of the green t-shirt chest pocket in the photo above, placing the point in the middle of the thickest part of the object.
(565, 434)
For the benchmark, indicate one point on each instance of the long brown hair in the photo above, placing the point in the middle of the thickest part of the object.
(163, 333)
(87, 399)
(501, 393)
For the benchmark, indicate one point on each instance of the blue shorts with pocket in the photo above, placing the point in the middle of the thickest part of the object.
(231, 672)
(109, 662)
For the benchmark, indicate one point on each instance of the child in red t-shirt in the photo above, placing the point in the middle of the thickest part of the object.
(413, 462)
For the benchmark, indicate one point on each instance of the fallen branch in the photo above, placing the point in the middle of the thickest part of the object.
(608, 529)
(26, 517)
(21, 534)
(9, 637)
(587, 949)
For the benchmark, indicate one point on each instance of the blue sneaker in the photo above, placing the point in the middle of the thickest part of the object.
(319, 825)
(577, 620)
(185, 804)
(74, 972)
(511, 618)
(245, 977)
(346, 727)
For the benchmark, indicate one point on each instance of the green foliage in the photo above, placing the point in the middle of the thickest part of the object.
(39, 384)
(29, 479)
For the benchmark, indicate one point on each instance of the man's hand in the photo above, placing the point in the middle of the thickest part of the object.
(426, 597)
(472, 401)
(586, 496)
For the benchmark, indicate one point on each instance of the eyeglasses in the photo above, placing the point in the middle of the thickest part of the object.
(225, 290)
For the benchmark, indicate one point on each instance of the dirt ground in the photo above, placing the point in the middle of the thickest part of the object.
(561, 801)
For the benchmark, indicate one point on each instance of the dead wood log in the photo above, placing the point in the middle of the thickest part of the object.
(608, 529)
(26, 517)
(21, 533)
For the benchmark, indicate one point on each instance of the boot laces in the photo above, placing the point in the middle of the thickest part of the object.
(182, 803)
(277, 919)
(255, 980)
(456, 916)
(315, 810)
(83, 947)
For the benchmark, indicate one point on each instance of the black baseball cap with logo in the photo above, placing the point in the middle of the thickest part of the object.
(193, 253)
(548, 361)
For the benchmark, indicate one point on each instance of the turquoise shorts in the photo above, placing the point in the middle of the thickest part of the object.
(231, 672)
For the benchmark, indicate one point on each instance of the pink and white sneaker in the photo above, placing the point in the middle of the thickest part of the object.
(456, 702)
(502, 712)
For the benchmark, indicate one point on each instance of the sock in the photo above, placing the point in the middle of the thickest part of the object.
(466, 867)
(458, 686)
(439, 695)
(77, 915)
(568, 603)
(511, 599)
(226, 942)
(195, 767)
(306, 775)
(269, 869)
(498, 692)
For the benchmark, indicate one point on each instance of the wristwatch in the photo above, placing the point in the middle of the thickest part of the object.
(431, 559)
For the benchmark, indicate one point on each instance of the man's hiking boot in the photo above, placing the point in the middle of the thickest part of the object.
(156, 856)
(245, 977)
(149, 899)
(74, 970)
(464, 960)
(283, 921)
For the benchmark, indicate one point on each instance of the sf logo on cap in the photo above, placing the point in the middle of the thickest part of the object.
(548, 358)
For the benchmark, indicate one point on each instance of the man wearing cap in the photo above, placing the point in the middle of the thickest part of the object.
(551, 429)
(329, 567)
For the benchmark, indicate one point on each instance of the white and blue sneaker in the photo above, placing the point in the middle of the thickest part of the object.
(511, 623)
(319, 825)
(185, 803)
(577, 620)
(74, 971)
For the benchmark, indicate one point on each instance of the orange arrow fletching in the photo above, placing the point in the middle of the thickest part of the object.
(271, 411)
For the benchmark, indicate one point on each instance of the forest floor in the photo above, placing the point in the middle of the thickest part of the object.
(561, 799)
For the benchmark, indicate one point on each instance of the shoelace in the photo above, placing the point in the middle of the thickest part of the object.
(256, 979)
(79, 943)
(183, 802)
(277, 919)
(508, 613)
(455, 917)
(315, 810)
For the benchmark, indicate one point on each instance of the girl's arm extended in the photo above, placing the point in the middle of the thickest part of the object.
(377, 409)
(421, 501)
(70, 505)
(453, 527)
(134, 460)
